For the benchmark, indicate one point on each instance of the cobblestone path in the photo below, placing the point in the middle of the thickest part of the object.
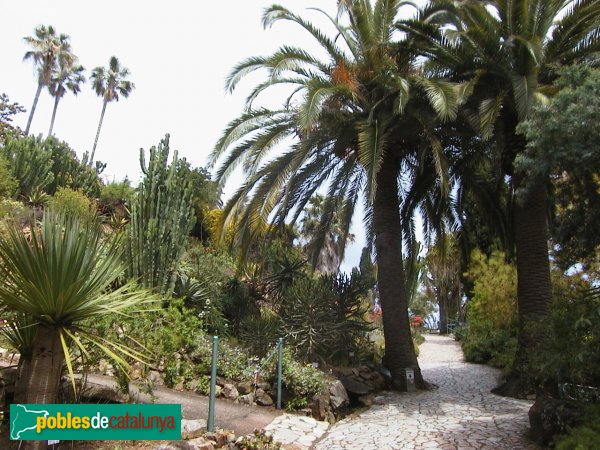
(460, 414)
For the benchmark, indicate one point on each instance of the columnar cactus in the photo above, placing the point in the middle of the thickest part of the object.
(161, 219)
(31, 163)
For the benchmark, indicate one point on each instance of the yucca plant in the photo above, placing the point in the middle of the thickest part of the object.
(61, 277)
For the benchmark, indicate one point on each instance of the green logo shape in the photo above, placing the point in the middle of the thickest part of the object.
(95, 422)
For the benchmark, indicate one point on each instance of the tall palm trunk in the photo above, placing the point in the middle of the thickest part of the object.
(56, 100)
(43, 377)
(399, 351)
(443, 307)
(534, 287)
(98, 132)
(35, 101)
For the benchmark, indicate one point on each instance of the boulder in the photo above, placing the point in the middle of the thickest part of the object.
(264, 386)
(247, 399)
(191, 429)
(245, 387)
(367, 400)
(262, 398)
(155, 377)
(318, 407)
(338, 397)
(230, 392)
(355, 387)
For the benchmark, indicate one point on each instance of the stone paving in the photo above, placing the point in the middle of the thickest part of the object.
(461, 414)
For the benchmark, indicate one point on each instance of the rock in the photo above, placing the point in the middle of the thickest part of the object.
(220, 438)
(338, 397)
(318, 407)
(367, 400)
(378, 381)
(201, 444)
(155, 377)
(191, 429)
(247, 399)
(264, 386)
(175, 445)
(262, 398)
(135, 371)
(230, 392)
(245, 387)
(346, 371)
(180, 386)
(355, 387)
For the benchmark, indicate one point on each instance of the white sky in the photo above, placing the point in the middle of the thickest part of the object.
(178, 52)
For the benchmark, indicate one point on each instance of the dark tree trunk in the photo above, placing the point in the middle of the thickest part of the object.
(98, 132)
(56, 100)
(32, 112)
(399, 351)
(534, 287)
(443, 306)
(23, 368)
(43, 377)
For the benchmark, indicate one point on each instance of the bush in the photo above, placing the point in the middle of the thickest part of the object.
(324, 318)
(569, 351)
(72, 203)
(585, 436)
(491, 334)
(302, 382)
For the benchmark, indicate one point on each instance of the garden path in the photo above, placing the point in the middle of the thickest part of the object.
(461, 413)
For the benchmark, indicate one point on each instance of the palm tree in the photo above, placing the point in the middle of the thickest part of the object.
(68, 77)
(508, 51)
(109, 83)
(48, 50)
(59, 279)
(355, 117)
(325, 247)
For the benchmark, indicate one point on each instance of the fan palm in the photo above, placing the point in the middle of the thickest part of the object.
(48, 50)
(59, 278)
(508, 50)
(109, 83)
(68, 77)
(355, 118)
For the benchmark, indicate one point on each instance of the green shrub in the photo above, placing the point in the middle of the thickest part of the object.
(585, 436)
(491, 334)
(8, 183)
(258, 333)
(569, 351)
(301, 381)
(323, 318)
(580, 438)
(72, 203)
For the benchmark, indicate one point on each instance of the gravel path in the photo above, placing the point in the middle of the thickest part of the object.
(460, 414)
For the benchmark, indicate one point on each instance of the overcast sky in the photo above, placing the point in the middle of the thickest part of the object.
(178, 52)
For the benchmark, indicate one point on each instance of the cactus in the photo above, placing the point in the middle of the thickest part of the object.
(44, 165)
(70, 172)
(161, 219)
(30, 163)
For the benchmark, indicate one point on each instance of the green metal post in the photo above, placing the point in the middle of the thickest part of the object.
(210, 426)
(279, 370)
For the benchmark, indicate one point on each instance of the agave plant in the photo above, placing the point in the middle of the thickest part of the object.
(61, 278)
